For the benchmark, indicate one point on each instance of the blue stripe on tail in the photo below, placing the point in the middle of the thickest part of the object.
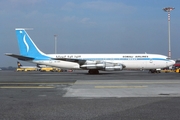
(27, 46)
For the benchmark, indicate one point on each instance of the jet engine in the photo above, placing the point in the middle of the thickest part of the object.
(106, 66)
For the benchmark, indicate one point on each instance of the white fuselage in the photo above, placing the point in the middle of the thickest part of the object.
(92, 62)
(130, 61)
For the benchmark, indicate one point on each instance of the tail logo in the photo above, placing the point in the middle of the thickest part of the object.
(25, 42)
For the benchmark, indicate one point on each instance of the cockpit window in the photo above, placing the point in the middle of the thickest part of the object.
(168, 58)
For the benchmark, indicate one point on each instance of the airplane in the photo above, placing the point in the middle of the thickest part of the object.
(92, 62)
(38, 66)
(22, 66)
(26, 68)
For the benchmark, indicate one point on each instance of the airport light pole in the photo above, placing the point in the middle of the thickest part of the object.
(55, 44)
(169, 9)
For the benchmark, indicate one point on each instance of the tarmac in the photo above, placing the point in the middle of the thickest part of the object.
(123, 95)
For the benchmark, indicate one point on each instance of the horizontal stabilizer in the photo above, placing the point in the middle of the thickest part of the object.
(20, 57)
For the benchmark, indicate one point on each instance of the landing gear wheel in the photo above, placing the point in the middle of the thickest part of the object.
(93, 71)
(154, 71)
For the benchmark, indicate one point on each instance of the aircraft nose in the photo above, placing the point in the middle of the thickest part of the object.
(172, 62)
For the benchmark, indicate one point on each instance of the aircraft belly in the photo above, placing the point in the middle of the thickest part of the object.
(156, 64)
(60, 64)
(70, 65)
(132, 64)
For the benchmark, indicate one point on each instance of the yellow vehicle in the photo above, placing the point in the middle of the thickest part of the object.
(20, 69)
(177, 70)
(50, 69)
(25, 69)
(167, 70)
(57, 70)
(30, 69)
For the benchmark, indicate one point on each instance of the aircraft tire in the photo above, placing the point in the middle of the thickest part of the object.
(93, 71)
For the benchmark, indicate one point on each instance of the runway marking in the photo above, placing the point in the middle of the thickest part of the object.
(107, 82)
(26, 87)
(36, 83)
(120, 86)
(86, 83)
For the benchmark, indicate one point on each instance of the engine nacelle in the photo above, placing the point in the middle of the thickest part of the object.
(102, 66)
(93, 66)
(113, 67)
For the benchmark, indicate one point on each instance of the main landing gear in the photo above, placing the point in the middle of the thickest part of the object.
(93, 71)
(154, 71)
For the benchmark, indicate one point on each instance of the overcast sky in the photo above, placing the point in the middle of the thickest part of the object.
(90, 26)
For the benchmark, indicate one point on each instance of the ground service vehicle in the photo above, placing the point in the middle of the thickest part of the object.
(20, 69)
(26, 69)
(50, 69)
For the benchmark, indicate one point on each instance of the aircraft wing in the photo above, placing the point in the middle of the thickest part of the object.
(85, 63)
(20, 57)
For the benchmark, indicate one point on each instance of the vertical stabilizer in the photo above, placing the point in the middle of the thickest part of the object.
(27, 47)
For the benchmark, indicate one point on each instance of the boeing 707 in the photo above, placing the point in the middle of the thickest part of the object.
(92, 62)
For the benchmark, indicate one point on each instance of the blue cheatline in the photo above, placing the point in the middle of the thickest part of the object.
(124, 59)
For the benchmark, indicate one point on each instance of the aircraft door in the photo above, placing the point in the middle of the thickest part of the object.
(152, 64)
(166, 64)
(151, 61)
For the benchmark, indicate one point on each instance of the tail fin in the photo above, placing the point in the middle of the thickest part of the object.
(27, 47)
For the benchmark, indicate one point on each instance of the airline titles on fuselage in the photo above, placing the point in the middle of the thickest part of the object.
(135, 56)
(68, 56)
